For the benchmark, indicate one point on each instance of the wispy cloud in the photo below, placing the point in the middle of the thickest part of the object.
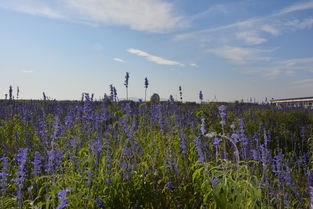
(157, 16)
(296, 7)
(239, 55)
(305, 83)
(193, 65)
(153, 58)
(300, 24)
(270, 29)
(260, 24)
(27, 71)
(279, 68)
(251, 37)
(118, 60)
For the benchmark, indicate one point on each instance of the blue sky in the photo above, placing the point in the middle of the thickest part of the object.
(229, 49)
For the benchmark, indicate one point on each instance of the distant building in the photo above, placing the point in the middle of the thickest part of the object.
(303, 102)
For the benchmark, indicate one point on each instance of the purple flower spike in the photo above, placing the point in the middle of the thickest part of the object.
(4, 174)
(62, 197)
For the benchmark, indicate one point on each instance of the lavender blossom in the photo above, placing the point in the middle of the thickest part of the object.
(214, 182)
(37, 164)
(62, 197)
(21, 158)
(199, 149)
(96, 147)
(4, 174)
(216, 141)
(50, 166)
(170, 186)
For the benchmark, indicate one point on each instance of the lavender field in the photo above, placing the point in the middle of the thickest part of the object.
(92, 154)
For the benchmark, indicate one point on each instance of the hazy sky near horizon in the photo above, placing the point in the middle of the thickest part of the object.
(230, 49)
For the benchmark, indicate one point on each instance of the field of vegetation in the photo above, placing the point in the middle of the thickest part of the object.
(91, 154)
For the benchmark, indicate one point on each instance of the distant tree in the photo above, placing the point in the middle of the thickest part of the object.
(146, 86)
(10, 92)
(126, 84)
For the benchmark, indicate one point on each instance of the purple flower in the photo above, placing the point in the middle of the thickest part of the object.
(21, 158)
(199, 149)
(62, 197)
(216, 141)
(99, 203)
(276, 168)
(37, 164)
(4, 174)
(214, 182)
(255, 154)
(49, 165)
(222, 108)
(96, 147)
(170, 186)
(223, 115)
(54, 160)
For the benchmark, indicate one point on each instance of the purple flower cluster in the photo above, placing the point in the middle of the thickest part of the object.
(21, 158)
(96, 147)
(4, 174)
(62, 197)
(37, 164)
(199, 149)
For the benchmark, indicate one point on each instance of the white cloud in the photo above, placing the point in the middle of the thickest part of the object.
(26, 71)
(298, 24)
(193, 65)
(296, 7)
(153, 58)
(239, 55)
(257, 24)
(305, 83)
(118, 60)
(156, 16)
(270, 29)
(251, 37)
